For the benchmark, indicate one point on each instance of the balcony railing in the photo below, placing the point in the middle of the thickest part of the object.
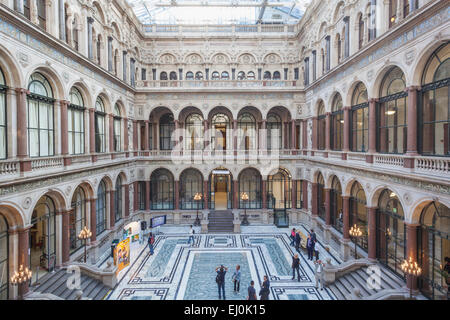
(235, 84)
(389, 160)
(47, 163)
(9, 167)
(432, 165)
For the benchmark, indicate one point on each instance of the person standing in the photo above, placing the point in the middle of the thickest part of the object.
(298, 239)
(251, 291)
(220, 280)
(310, 247)
(313, 236)
(265, 289)
(191, 235)
(292, 236)
(237, 278)
(296, 267)
(319, 273)
(151, 241)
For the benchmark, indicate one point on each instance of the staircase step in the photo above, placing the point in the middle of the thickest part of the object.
(58, 286)
(363, 276)
(84, 283)
(51, 280)
(96, 290)
(336, 292)
(101, 295)
(392, 280)
(92, 285)
(68, 293)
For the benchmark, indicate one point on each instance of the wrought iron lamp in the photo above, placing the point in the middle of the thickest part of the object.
(244, 197)
(84, 235)
(355, 233)
(411, 269)
(197, 198)
(23, 275)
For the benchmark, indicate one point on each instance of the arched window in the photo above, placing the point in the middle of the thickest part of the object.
(100, 142)
(276, 75)
(117, 129)
(77, 219)
(360, 31)
(166, 127)
(321, 126)
(162, 190)
(198, 75)
(251, 75)
(191, 183)
(189, 75)
(4, 259)
(435, 106)
(241, 75)
(321, 196)
(392, 113)
(173, 75)
(267, 75)
(359, 138)
(279, 190)
(215, 76)
(194, 131)
(246, 132)
(76, 122)
(250, 183)
(40, 117)
(41, 11)
(392, 12)
(225, 76)
(3, 125)
(118, 199)
(434, 246)
(337, 123)
(274, 132)
(43, 235)
(391, 231)
(221, 133)
(100, 208)
(358, 212)
(337, 216)
(163, 76)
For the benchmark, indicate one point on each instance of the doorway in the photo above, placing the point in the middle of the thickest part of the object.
(221, 137)
(220, 189)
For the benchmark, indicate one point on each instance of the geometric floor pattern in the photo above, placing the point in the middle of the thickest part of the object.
(179, 271)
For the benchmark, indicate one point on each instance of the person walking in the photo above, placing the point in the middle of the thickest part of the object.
(191, 235)
(319, 273)
(265, 289)
(313, 235)
(296, 266)
(251, 291)
(237, 278)
(220, 280)
(298, 240)
(292, 236)
(310, 247)
(151, 241)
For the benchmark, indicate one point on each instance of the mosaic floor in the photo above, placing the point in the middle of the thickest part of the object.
(179, 271)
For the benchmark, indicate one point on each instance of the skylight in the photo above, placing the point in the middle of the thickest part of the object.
(218, 11)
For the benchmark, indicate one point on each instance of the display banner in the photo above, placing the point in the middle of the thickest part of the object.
(122, 254)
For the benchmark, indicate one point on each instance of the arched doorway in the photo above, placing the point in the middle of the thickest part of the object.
(162, 190)
(434, 248)
(191, 183)
(77, 219)
(43, 237)
(279, 190)
(391, 231)
(220, 130)
(220, 185)
(4, 259)
(321, 196)
(358, 212)
(336, 205)
(250, 182)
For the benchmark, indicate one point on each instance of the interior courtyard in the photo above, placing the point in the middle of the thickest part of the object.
(240, 120)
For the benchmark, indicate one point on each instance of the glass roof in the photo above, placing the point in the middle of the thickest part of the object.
(218, 11)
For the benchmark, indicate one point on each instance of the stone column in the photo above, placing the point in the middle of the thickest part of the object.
(177, 195)
(18, 6)
(110, 40)
(65, 234)
(92, 130)
(127, 200)
(205, 134)
(264, 194)
(147, 195)
(93, 219)
(294, 194)
(125, 135)
(305, 194)
(372, 126)
(146, 135)
(346, 216)
(90, 21)
(22, 136)
(327, 206)
(23, 255)
(235, 194)
(411, 139)
(372, 224)
(205, 195)
(293, 134)
(135, 137)
(314, 209)
(112, 216)
(314, 133)
(328, 131)
(64, 131)
(263, 135)
(235, 138)
(111, 133)
(346, 129)
(136, 196)
(62, 20)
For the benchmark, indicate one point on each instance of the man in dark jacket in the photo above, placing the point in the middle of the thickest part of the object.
(265, 289)
(251, 291)
(220, 279)
(296, 266)
(297, 241)
(310, 244)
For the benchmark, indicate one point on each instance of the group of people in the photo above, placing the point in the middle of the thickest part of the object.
(236, 278)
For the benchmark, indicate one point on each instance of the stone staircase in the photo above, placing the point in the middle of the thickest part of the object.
(220, 221)
(345, 286)
(55, 284)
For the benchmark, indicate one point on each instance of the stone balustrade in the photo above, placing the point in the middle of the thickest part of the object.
(389, 160)
(432, 165)
(174, 84)
(8, 167)
(46, 163)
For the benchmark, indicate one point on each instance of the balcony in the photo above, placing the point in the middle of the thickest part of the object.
(182, 85)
